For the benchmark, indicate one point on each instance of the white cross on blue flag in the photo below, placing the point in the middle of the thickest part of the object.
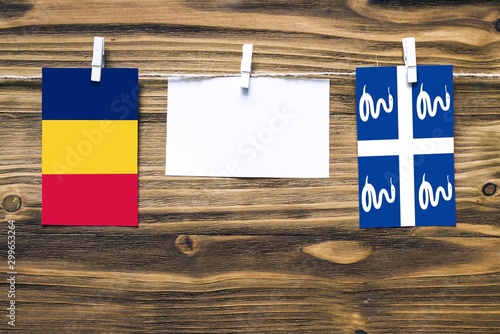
(405, 147)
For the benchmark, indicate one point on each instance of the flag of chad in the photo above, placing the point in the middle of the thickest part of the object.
(89, 147)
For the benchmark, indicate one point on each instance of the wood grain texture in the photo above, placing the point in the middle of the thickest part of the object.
(252, 255)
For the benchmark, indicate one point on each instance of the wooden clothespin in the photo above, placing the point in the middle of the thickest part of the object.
(410, 57)
(97, 59)
(246, 65)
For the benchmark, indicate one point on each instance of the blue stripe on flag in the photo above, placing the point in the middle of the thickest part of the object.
(69, 94)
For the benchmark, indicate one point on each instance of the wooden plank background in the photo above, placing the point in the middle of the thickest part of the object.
(252, 255)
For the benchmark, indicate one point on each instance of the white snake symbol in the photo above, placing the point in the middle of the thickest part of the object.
(426, 193)
(424, 103)
(367, 107)
(369, 196)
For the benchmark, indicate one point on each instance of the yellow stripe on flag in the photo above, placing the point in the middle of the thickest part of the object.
(89, 147)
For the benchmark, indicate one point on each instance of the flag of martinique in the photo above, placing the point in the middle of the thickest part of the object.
(89, 147)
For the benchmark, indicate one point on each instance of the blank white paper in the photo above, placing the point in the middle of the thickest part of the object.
(278, 128)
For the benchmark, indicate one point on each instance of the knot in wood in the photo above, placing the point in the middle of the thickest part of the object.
(489, 189)
(187, 245)
(12, 203)
(496, 24)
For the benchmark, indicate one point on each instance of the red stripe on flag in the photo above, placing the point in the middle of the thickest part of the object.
(90, 199)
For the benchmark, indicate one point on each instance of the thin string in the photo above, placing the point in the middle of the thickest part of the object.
(255, 75)
(20, 77)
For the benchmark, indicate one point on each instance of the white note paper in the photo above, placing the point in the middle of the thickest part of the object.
(276, 128)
